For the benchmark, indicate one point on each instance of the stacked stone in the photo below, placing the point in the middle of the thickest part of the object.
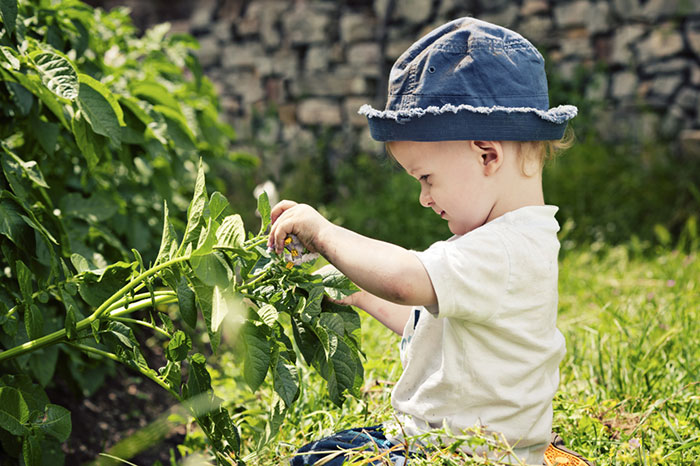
(316, 61)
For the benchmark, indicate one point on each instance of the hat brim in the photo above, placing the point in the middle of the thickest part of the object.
(466, 122)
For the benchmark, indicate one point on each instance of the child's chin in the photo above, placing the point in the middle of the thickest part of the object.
(457, 229)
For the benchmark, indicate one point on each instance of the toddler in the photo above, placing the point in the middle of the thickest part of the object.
(468, 117)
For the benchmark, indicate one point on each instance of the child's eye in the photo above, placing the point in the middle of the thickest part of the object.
(424, 178)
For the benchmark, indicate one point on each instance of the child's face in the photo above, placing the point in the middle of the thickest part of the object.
(452, 178)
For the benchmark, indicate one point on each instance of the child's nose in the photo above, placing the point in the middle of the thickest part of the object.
(424, 197)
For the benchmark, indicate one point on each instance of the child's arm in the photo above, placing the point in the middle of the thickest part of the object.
(392, 316)
(385, 270)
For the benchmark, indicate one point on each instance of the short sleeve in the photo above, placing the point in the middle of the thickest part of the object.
(469, 274)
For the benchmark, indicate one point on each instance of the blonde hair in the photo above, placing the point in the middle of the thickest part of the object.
(537, 153)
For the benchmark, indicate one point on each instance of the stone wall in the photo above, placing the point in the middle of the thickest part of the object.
(313, 63)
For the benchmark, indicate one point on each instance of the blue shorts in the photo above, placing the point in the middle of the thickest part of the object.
(368, 439)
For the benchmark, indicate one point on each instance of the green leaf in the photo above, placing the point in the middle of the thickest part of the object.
(219, 207)
(343, 373)
(351, 318)
(332, 322)
(21, 97)
(95, 327)
(312, 306)
(223, 302)
(135, 106)
(71, 330)
(212, 269)
(34, 84)
(10, 325)
(30, 169)
(207, 239)
(98, 285)
(48, 136)
(166, 321)
(199, 380)
(155, 93)
(33, 322)
(79, 262)
(329, 340)
(122, 333)
(256, 354)
(171, 373)
(139, 260)
(204, 296)
(178, 347)
(168, 240)
(9, 55)
(31, 450)
(8, 11)
(57, 422)
(11, 223)
(264, 210)
(195, 211)
(57, 74)
(178, 128)
(14, 412)
(85, 139)
(225, 429)
(94, 209)
(268, 313)
(231, 233)
(105, 93)
(338, 286)
(286, 380)
(186, 302)
(32, 393)
(24, 278)
(43, 364)
(98, 111)
(307, 341)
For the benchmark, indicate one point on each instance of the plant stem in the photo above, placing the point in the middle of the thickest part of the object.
(140, 301)
(256, 243)
(35, 295)
(142, 323)
(114, 357)
(60, 335)
(255, 280)
(132, 284)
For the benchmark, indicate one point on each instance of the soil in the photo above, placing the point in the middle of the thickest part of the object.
(125, 404)
(122, 406)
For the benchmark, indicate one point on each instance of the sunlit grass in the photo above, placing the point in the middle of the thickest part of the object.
(629, 391)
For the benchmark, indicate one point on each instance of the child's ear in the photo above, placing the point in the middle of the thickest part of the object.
(490, 155)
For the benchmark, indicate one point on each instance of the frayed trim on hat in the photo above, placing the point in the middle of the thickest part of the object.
(556, 115)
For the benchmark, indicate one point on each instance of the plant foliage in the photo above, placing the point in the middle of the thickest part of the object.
(98, 128)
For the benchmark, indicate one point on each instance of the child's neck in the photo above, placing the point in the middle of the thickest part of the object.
(518, 191)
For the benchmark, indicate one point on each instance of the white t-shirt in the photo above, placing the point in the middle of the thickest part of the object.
(489, 353)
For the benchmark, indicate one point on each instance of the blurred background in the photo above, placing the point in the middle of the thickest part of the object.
(291, 76)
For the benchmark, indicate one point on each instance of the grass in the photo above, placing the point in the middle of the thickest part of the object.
(629, 392)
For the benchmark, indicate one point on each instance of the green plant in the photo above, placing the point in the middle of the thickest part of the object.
(211, 268)
(97, 128)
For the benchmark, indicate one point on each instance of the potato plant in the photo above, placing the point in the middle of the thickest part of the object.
(97, 128)
(208, 271)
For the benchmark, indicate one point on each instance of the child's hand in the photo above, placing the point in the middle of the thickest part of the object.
(301, 220)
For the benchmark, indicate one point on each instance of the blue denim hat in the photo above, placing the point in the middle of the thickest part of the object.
(468, 80)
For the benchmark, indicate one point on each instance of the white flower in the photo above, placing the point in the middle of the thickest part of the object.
(271, 190)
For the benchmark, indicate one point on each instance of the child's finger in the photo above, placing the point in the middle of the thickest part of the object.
(279, 208)
(278, 233)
